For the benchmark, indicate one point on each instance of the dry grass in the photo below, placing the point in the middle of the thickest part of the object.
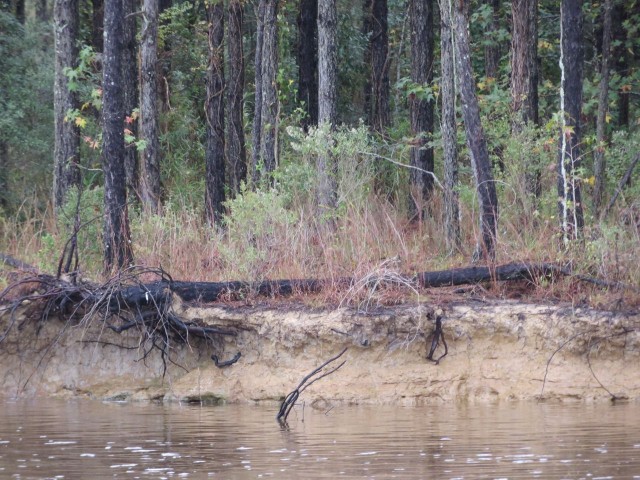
(376, 240)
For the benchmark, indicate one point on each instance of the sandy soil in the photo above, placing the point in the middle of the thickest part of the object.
(498, 350)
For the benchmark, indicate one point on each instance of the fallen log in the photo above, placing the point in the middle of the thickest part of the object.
(206, 292)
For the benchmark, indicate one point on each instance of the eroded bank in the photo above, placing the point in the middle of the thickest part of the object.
(498, 350)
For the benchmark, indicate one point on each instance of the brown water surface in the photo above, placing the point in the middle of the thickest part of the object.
(89, 439)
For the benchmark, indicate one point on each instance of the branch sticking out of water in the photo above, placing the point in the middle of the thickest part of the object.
(290, 400)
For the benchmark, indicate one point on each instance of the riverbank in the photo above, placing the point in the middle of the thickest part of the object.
(497, 351)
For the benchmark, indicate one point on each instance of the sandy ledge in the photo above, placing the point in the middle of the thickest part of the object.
(498, 350)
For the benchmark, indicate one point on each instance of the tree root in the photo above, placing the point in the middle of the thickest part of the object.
(290, 400)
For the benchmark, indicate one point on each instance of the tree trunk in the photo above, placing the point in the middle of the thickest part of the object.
(270, 106)
(20, 12)
(97, 25)
(421, 183)
(236, 154)
(381, 115)
(214, 108)
(42, 12)
(524, 78)
(524, 64)
(308, 60)
(4, 181)
(256, 136)
(621, 56)
(116, 236)
(570, 202)
(129, 81)
(266, 97)
(449, 130)
(150, 189)
(492, 49)
(603, 104)
(327, 95)
(476, 141)
(67, 134)
(367, 32)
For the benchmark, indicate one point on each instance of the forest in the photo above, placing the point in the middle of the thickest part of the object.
(248, 140)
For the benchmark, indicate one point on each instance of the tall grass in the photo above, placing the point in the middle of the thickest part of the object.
(275, 231)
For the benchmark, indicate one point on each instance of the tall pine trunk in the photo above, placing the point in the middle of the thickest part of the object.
(215, 165)
(476, 141)
(116, 236)
(67, 134)
(491, 49)
(235, 145)
(603, 106)
(571, 59)
(264, 135)
(256, 134)
(308, 59)
(129, 81)
(327, 95)
(150, 190)
(449, 130)
(421, 18)
(380, 111)
(97, 25)
(524, 64)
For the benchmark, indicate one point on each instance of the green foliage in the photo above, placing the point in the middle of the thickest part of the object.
(26, 119)
(352, 151)
(90, 209)
(257, 222)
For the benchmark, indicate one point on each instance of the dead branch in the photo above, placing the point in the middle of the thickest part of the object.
(290, 400)
(225, 363)
(438, 335)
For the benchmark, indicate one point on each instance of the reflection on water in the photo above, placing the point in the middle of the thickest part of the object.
(82, 439)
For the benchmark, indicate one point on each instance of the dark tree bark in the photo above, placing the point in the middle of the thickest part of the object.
(215, 167)
(97, 22)
(236, 153)
(327, 95)
(421, 18)
(524, 63)
(256, 136)
(603, 107)
(492, 49)
(476, 141)
(67, 134)
(20, 12)
(308, 60)
(449, 131)
(266, 100)
(116, 235)
(380, 114)
(42, 12)
(367, 32)
(150, 189)
(129, 81)
(4, 183)
(164, 69)
(621, 56)
(571, 60)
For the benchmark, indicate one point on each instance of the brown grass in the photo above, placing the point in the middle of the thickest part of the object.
(370, 240)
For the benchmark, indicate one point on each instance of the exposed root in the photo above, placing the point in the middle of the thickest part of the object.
(151, 314)
(290, 400)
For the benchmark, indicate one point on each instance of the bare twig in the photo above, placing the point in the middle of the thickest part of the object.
(290, 400)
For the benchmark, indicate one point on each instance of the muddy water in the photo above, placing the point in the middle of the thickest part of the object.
(85, 439)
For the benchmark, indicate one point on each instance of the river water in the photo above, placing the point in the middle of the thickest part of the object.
(89, 439)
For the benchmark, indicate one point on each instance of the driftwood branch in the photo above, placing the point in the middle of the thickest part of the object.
(290, 400)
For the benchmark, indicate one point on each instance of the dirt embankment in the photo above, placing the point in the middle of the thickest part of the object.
(498, 350)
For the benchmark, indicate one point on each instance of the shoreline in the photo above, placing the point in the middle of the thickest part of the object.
(497, 351)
